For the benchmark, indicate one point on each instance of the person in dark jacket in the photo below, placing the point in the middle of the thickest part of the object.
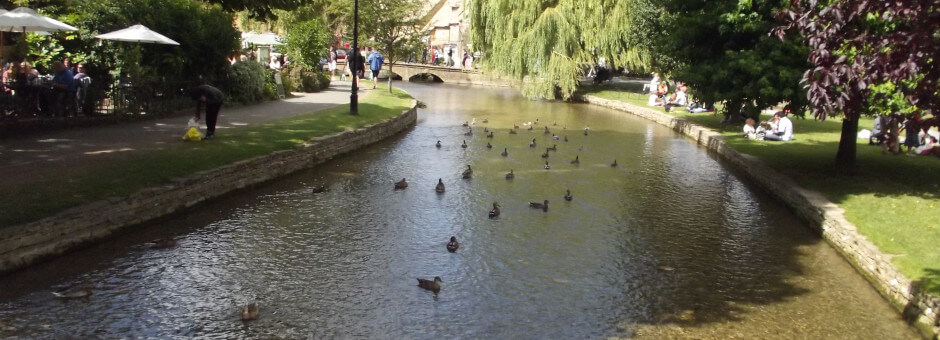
(212, 98)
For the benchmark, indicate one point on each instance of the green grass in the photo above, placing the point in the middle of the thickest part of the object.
(892, 200)
(35, 200)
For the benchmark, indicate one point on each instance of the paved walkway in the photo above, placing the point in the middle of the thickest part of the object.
(30, 158)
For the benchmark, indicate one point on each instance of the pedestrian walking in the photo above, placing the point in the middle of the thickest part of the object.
(375, 64)
(212, 98)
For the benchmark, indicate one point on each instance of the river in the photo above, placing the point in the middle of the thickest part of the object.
(671, 243)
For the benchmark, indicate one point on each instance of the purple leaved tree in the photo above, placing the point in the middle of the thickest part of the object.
(857, 43)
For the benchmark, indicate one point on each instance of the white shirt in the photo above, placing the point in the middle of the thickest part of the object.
(784, 128)
(681, 99)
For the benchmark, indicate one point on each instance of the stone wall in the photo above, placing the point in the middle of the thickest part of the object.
(28, 243)
(919, 308)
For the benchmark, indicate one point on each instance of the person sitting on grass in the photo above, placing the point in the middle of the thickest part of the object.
(753, 131)
(782, 128)
(930, 147)
(679, 99)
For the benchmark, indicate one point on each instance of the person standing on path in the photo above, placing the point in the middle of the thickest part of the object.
(375, 64)
(212, 98)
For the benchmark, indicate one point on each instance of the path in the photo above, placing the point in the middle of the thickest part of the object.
(28, 159)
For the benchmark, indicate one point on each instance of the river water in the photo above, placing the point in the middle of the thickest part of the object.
(669, 244)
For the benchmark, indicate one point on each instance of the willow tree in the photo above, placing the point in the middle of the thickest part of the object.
(550, 44)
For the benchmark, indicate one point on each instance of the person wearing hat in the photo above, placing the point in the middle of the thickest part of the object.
(212, 98)
(782, 128)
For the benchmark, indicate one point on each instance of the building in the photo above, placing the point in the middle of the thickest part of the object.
(448, 26)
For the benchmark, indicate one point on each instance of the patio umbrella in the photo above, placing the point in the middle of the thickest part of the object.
(138, 33)
(261, 39)
(23, 19)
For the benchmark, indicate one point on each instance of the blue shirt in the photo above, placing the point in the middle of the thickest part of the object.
(375, 61)
(65, 77)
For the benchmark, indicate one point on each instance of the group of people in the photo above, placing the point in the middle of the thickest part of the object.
(659, 96)
(778, 128)
(55, 95)
(919, 139)
(356, 64)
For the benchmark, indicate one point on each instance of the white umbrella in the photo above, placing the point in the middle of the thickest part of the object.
(137, 33)
(261, 39)
(23, 19)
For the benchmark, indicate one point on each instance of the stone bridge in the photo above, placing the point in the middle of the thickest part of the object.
(412, 72)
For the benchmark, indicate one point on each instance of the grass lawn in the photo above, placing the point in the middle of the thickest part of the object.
(126, 176)
(893, 200)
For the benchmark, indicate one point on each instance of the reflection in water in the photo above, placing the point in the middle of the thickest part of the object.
(667, 244)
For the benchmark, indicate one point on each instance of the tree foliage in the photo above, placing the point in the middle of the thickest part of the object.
(550, 43)
(261, 9)
(306, 43)
(863, 50)
(722, 50)
(393, 26)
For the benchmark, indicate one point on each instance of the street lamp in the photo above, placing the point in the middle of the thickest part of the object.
(354, 97)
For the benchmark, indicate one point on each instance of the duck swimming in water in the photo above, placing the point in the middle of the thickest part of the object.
(495, 212)
(545, 155)
(401, 184)
(486, 120)
(614, 164)
(434, 286)
(469, 132)
(568, 195)
(510, 175)
(504, 153)
(513, 132)
(249, 312)
(554, 147)
(554, 137)
(453, 245)
(546, 167)
(490, 135)
(515, 126)
(440, 186)
(532, 144)
(72, 292)
(531, 128)
(467, 173)
(537, 205)
(546, 130)
(466, 123)
(576, 160)
(464, 145)
(438, 144)
(566, 138)
(318, 189)
(488, 145)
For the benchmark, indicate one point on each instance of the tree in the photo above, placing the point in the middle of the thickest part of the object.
(306, 43)
(722, 50)
(393, 26)
(551, 43)
(258, 9)
(855, 44)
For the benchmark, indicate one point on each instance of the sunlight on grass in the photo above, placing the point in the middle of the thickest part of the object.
(126, 176)
(892, 200)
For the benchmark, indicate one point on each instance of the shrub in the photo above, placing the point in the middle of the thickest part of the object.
(247, 82)
(306, 43)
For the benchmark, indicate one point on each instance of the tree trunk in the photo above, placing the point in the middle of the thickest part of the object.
(390, 77)
(845, 157)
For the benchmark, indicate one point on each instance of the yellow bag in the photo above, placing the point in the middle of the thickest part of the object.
(192, 135)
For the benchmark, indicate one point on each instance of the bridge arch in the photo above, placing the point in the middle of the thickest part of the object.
(426, 77)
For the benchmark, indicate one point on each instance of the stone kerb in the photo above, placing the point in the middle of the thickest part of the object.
(28, 243)
(825, 217)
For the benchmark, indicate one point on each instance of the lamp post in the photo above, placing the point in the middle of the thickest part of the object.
(354, 97)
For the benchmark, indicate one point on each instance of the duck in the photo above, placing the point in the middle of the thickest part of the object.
(438, 144)
(586, 129)
(473, 121)
(515, 126)
(318, 189)
(513, 132)
(545, 155)
(440, 186)
(532, 144)
(537, 205)
(531, 128)
(467, 173)
(495, 212)
(554, 147)
(489, 135)
(614, 164)
(453, 245)
(78, 291)
(469, 132)
(486, 120)
(510, 175)
(249, 312)
(547, 166)
(466, 123)
(555, 123)
(566, 138)
(434, 286)
(486, 129)
(576, 160)
(568, 195)
(401, 184)
(504, 153)
(464, 145)
(488, 145)
(536, 122)
(546, 130)
(554, 137)
(162, 243)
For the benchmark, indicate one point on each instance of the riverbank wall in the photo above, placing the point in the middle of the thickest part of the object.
(28, 243)
(917, 307)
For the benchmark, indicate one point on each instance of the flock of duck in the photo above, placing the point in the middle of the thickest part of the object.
(434, 284)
